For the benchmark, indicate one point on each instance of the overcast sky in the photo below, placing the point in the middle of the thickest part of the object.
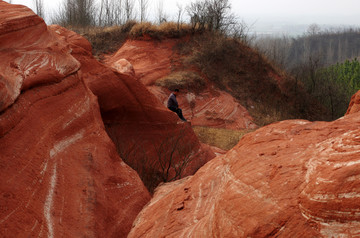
(260, 13)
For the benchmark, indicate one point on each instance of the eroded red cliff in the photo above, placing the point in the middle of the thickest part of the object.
(61, 173)
(137, 122)
(154, 60)
(289, 179)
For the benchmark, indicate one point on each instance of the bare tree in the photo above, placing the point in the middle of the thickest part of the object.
(198, 14)
(143, 4)
(313, 29)
(160, 15)
(76, 12)
(218, 14)
(85, 12)
(39, 7)
(180, 12)
(110, 13)
(118, 12)
(129, 9)
(213, 15)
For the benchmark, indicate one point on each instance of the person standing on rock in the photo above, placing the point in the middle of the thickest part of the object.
(173, 105)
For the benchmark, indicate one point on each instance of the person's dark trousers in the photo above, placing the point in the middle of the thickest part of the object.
(178, 112)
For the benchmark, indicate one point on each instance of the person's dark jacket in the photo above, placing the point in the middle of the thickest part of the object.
(172, 102)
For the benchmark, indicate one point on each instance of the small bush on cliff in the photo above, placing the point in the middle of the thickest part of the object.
(190, 81)
(164, 30)
(114, 37)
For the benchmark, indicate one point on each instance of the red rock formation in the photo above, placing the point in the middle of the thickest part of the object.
(123, 66)
(289, 179)
(213, 108)
(354, 105)
(33, 55)
(153, 60)
(60, 173)
(135, 119)
(150, 59)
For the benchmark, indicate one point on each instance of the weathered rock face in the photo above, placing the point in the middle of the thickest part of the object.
(290, 179)
(33, 55)
(60, 173)
(137, 122)
(152, 61)
(123, 66)
(215, 109)
(354, 105)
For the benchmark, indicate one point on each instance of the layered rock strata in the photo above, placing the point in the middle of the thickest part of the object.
(289, 179)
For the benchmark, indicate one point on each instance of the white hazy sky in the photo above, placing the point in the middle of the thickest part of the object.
(266, 12)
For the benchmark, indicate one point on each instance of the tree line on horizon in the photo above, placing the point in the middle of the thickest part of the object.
(325, 62)
(211, 14)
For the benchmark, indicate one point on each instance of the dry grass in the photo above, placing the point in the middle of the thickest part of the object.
(264, 115)
(190, 81)
(222, 138)
(141, 29)
(173, 29)
(106, 40)
(164, 30)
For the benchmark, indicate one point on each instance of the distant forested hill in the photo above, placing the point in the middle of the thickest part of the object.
(324, 63)
(324, 47)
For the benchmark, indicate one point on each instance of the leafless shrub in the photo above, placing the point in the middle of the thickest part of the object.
(174, 153)
(212, 15)
(164, 161)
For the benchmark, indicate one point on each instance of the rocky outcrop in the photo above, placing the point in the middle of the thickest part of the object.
(211, 107)
(138, 123)
(214, 108)
(30, 54)
(150, 59)
(61, 175)
(289, 179)
(123, 66)
(61, 172)
(354, 105)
